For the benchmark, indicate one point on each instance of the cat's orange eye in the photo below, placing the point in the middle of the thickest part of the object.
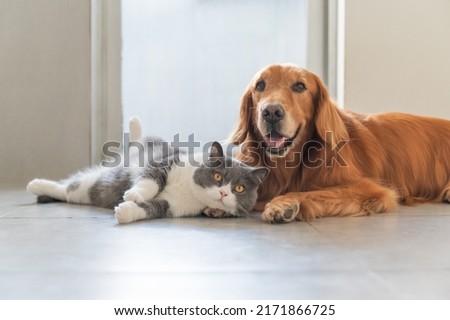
(217, 177)
(239, 188)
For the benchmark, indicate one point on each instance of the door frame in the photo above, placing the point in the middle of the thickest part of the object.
(106, 51)
(326, 33)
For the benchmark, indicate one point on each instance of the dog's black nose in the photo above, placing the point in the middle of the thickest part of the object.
(273, 113)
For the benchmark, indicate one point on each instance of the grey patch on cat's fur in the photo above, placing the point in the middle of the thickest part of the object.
(46, 199)
(251, 181)
(159, 149)
(108, 190)
(156, 209)
(158, 171)
(74, 185)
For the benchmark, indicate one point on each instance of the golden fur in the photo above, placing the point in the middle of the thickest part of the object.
(340, 163)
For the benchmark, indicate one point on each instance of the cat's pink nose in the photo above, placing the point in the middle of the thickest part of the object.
(223, 193)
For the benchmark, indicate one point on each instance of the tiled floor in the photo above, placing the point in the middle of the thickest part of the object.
(61, 251)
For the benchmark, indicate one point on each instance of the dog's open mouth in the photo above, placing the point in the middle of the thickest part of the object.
(277, 144)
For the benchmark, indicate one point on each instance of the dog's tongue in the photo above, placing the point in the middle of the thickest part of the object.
(275, 140)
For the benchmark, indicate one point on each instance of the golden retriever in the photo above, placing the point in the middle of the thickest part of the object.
(326, 161)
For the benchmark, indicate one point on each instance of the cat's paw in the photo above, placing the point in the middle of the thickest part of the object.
(133, 195)
(128, 211)
(215, 213)
(37, 186)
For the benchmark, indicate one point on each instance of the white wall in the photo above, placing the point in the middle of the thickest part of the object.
(397, 56)
(44, 88)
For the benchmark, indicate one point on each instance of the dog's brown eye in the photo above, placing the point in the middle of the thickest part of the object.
(260, 85)
(298, 87)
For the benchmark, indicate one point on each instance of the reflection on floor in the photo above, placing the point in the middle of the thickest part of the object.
(61, 251)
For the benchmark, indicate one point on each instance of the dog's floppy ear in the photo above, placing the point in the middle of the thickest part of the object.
(328, 118)
(244, 127)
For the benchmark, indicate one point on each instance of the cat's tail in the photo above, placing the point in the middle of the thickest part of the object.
(135, 129)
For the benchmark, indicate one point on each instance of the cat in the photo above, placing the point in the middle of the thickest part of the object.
(170, 186)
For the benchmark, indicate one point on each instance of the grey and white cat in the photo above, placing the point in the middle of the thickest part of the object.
(170, 187)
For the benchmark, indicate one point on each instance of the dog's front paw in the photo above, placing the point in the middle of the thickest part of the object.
(133, 195)
(215, 213)
(129, 211)
(281, 210)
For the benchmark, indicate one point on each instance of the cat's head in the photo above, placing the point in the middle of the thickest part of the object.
(226, 183)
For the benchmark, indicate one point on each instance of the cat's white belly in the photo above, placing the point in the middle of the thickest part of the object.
(179, 195)
(181, 203)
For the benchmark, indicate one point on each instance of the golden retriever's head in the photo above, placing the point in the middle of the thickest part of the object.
(282, 105)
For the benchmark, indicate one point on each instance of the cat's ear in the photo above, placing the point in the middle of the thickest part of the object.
(216, 151)
(260, 173)
(216, 158)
